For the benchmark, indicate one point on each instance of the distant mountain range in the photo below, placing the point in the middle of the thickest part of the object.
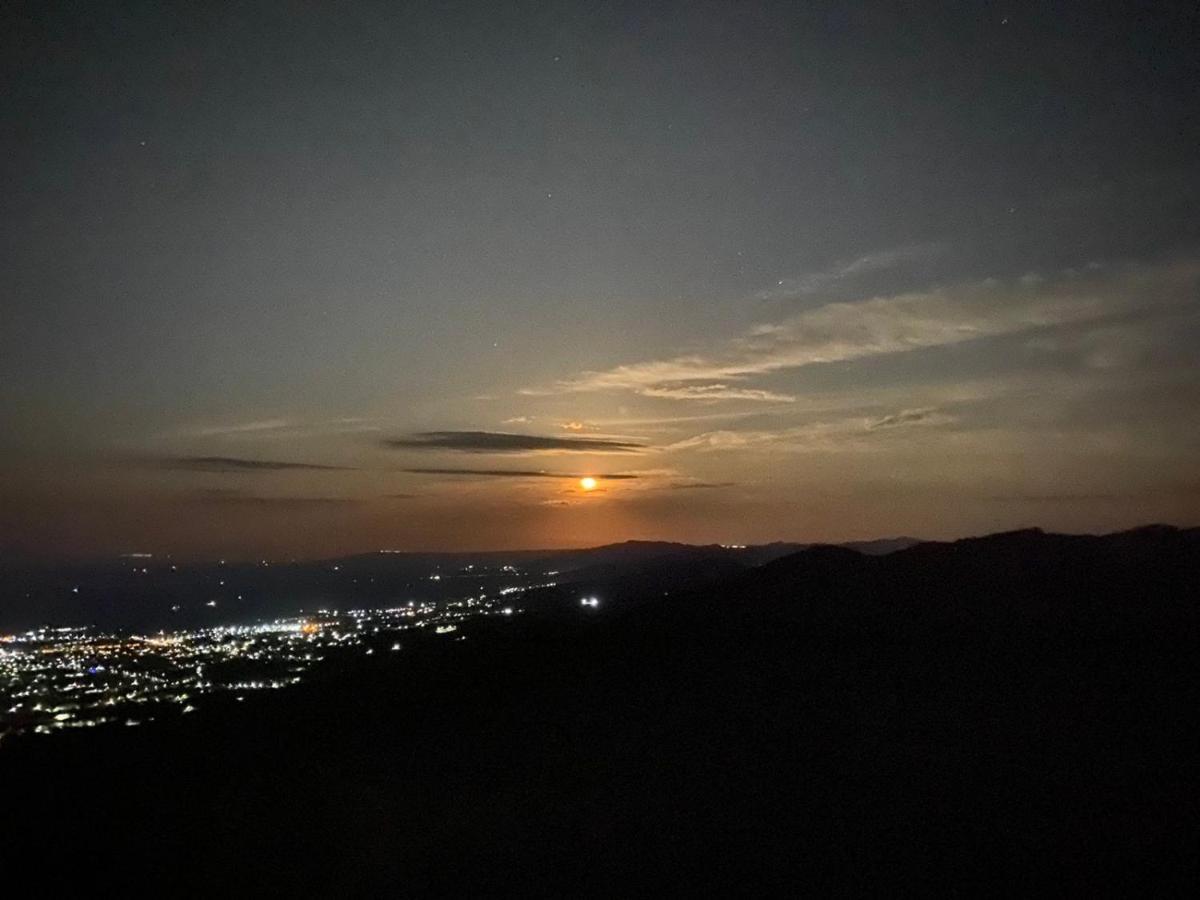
(152, 593)
(149, 593)
(624, 552)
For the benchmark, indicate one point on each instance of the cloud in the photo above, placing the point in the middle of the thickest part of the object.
(574, 426)
(1061, 498)
(240, 428)
(841, 434)
(735, 440)
(1124, 345)
(908, 417)
(221, 497)
(518, 420)
(500, 442)
(672, 423)
(714, 392)
(235, 464)
(841, 332)
(274, 429)
(813, 282)
(1171, 489)
(518, 473)
(702, 485)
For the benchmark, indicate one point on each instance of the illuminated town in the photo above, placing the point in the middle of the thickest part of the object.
(53, 679)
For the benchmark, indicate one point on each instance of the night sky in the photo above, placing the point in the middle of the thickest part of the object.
(297, 279)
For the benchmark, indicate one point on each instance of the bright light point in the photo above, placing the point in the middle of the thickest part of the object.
(588, 483)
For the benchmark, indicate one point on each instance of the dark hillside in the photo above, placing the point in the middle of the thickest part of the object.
(995, 715)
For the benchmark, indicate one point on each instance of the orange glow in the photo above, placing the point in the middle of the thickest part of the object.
(588, 483)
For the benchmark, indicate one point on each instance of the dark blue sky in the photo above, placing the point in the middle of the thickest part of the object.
(857, 268)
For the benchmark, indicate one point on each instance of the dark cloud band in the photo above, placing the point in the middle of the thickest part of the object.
(907, 417)
(235, 464)
(501, 442)
(221, 497)
(515, 473)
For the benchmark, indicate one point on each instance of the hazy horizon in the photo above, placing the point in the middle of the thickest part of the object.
(8, 555)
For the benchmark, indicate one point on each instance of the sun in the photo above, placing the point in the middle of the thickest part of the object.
(588, 483)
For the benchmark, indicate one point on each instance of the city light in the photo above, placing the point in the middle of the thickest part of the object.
(53, 679)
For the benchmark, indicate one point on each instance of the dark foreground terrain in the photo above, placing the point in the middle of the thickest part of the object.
(996, 715)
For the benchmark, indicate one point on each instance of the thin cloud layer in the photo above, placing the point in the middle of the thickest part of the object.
(501, 442)
(516, 473)
(833, 435)
(240, 428)
(236, 464)
(814, 282)
(276, 429)
(838, 332)
(219, 497)
(712, 392)
(905, 417)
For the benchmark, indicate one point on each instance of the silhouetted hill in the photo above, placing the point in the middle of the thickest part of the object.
(1007, 714)
(881, 546)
